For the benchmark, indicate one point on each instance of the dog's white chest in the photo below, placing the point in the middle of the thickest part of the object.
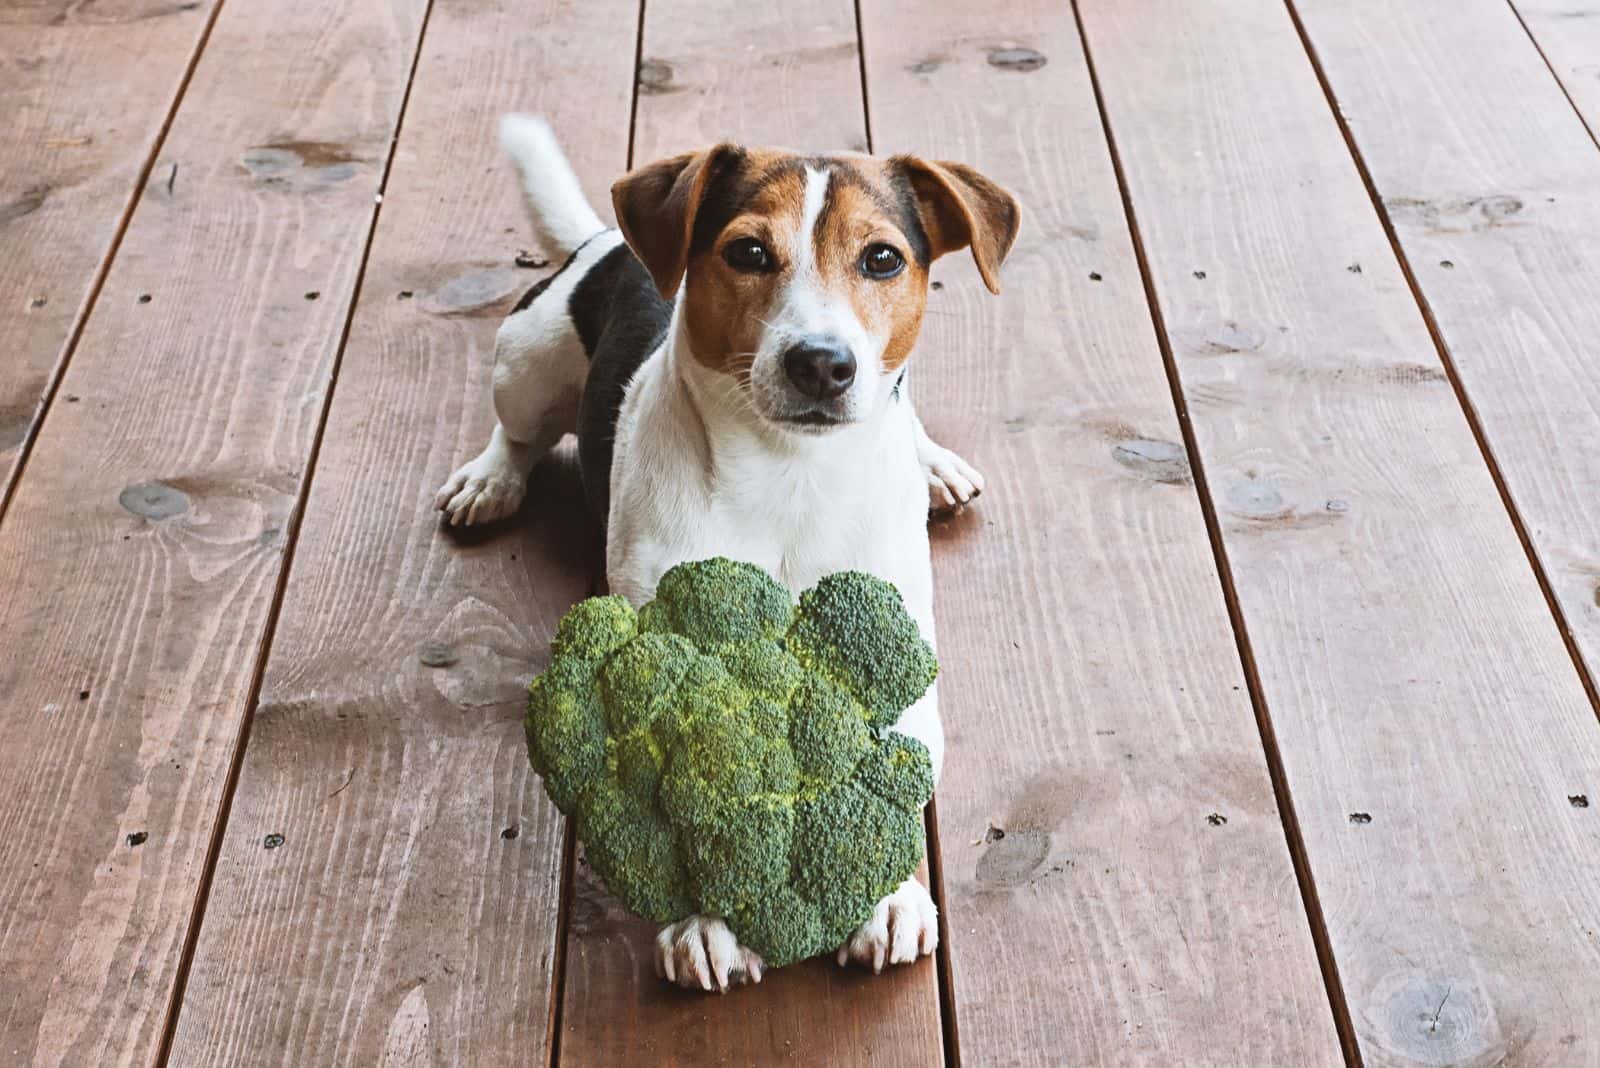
(842, 502)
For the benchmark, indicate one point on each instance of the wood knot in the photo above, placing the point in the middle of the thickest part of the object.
(655, 77)
(1011, 857)
(153, 500)
(1228, 338)
(1436, 1021)
(1253, 499)
(1022, 60)
(438, 656)
(473, 292)
(319, 161)
(1159, 461)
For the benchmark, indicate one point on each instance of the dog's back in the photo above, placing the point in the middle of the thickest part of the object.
(580, 334)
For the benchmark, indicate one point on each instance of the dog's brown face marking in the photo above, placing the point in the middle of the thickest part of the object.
(726, 307)
(776, 250)
(857, 211)
(867, 223)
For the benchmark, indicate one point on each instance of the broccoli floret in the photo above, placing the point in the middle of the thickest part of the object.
(593, 628)
(851, 848)
(828, 731)
(719, 601)
(764, 668)
(725, 754)
(566, 729)
(632, 845)
(854, 629)
(899, 770)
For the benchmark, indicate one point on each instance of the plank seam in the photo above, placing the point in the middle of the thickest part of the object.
(58, 373)
(944, 975)
(861, 62)
(269, 630)
(1551, 67)
(638, 70)
(943, 965)
(1269, 743)
(1442, 347)
(558, 964)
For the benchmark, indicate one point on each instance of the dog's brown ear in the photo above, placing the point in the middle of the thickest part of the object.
(656, 206)
(960, 207)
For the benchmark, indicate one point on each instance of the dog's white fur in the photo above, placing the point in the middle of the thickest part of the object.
(699, 470)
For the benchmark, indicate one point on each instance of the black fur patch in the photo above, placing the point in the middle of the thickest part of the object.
(538, 290)
(621, 320)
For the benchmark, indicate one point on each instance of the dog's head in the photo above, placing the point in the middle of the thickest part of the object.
(804, 278)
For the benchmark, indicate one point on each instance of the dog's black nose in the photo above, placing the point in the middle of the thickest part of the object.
(821, 368)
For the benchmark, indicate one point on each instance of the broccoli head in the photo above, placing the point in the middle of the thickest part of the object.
(726, 752)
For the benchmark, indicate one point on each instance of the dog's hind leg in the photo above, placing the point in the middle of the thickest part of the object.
(539, 372)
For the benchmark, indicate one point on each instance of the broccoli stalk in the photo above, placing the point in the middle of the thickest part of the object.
(725, 752)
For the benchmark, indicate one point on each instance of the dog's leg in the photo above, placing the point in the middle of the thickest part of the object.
(702, 954)
(905, 925)
(952, 482)
(538, 380)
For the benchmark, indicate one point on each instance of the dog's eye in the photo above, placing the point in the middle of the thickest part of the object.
(747, 254)
(881, 261)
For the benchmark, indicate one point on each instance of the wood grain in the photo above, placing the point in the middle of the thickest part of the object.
(788, 75)
(1568, 33)
(1431, 724)
(1116, 875)
(776, 75)
(1492, 186)
(409, 914)
(86, 91)
(141, 554)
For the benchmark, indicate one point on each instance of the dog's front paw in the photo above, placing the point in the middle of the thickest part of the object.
(952, 482)
(700, 953)
(480, 492)
(904, 926)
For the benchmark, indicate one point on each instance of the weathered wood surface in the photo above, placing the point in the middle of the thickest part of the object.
(409, 915)
(1568, 34)
(1431, 723)
(785, 75)
(86, 91)
(777, 75)
(1492, 186)
(1117, 881)
(141, 554)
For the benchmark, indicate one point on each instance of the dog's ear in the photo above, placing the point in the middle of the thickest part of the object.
(656, 207)
(959, 208)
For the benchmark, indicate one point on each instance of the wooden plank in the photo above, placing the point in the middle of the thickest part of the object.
(1430, 721)
(1492, 186)
(142, 551)
(769, 74)
(1093, 691)
(86, 92)
(410, 913)
(1568, 34)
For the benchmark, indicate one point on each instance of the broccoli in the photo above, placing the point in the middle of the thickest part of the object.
(726, 752)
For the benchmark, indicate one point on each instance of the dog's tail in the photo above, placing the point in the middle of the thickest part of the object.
(562, 215)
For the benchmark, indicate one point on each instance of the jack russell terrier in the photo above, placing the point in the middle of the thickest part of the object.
(733, 361)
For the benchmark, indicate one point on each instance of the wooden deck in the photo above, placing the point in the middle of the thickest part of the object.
(1270, 657)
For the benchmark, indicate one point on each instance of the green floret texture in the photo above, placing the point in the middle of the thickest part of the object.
(726, 752)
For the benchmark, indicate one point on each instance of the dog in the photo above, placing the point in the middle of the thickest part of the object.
(733, 360)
